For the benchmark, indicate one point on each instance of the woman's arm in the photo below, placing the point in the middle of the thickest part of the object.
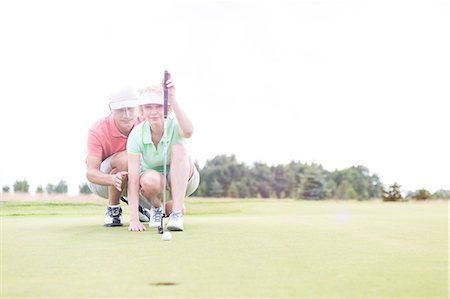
(133, 192)
(185, 123)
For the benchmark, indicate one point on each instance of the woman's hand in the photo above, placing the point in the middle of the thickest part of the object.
(136, 226)
(170, 88)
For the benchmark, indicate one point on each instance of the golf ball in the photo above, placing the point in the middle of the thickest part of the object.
(167, 236)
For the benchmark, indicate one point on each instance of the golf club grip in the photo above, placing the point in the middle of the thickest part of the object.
(166, 96)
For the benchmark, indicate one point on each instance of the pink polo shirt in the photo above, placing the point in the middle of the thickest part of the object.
(105, 139)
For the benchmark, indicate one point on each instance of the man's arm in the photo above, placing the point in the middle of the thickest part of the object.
(95, 175)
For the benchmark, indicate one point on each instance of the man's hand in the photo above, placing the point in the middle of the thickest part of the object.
(118, 179)
(136, 226)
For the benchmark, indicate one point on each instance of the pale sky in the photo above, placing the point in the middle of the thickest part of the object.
(339, 83)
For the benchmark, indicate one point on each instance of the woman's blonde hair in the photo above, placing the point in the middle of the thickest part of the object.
(155, 89)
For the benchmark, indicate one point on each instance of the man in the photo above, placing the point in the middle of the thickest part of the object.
(106, 160)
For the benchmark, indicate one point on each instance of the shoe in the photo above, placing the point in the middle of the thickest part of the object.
(123, 199)
(155, 217)
(144, 214)
(113, 216)
(175, 222)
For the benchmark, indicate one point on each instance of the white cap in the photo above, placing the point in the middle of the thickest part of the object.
(149, 97)
(125, 97)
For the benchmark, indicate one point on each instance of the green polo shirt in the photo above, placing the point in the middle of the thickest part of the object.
(152, 157)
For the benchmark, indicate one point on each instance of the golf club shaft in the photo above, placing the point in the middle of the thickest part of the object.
(166, 94)
(166, 77)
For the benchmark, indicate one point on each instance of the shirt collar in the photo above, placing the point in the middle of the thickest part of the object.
(113, 127)
(147, 135)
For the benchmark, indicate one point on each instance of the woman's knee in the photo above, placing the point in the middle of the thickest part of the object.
(179, 152)
(151, 182)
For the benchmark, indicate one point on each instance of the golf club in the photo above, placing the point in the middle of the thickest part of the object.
(161, 227)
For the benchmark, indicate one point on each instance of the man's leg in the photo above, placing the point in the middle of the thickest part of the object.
(113, 213)
(119, 162)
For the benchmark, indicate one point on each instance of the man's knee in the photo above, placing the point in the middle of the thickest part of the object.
(119, 162)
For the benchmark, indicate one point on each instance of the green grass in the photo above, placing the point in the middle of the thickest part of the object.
(229, 249)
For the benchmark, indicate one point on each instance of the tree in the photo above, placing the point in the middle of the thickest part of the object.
(361, 181)
(442, 194)
(39, 189)
(393, 194)
(313, 187)
(345, 191)
(5, 189)
(312, 183)
(243, 189)
(221, 170)
(215, 189)
(375, 186)
(84, 188)
(330, 187)
(233, 191)
(292, 174)
(263, 177)
(279, 181)
(422, 194)
(201, 190)
(294, 180)
(50, 188)
(61, 187)
(21, 186)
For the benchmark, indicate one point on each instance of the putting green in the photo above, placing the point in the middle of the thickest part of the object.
(239, 249)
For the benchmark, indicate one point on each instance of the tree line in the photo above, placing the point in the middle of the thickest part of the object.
(22, 186)
(224, 176)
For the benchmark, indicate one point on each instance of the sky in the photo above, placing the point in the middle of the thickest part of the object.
(338, 83)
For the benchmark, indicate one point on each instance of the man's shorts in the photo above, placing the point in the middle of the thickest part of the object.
(102, 191)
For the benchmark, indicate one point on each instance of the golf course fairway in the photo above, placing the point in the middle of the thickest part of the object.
(229, 249)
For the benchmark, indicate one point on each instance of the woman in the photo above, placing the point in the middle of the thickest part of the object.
(145, 149)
